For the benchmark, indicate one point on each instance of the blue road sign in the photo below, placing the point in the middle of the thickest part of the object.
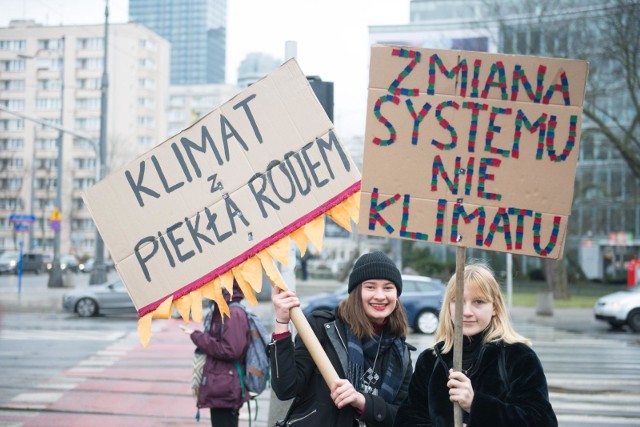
(22, 218)
(21, 227)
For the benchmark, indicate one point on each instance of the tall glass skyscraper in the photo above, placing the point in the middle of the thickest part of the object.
(197, 32)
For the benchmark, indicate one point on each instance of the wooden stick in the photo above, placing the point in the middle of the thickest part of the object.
(457, 325)
(310, 340)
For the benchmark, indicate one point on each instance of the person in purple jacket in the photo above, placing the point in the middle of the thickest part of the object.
(225, 345)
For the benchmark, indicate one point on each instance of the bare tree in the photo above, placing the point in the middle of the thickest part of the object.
(619, 51)
(607, 35)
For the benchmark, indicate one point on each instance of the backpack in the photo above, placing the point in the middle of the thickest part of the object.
(199, 358)
(255, 375)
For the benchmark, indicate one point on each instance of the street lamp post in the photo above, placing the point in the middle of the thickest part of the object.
(55, 275)
(99, 272)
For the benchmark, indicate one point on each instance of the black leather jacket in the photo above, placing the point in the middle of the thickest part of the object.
(294, 374)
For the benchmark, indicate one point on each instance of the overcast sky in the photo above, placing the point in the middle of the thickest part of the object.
(331, 35)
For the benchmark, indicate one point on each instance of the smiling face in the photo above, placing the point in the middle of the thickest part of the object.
(477, 310)
(379, 299)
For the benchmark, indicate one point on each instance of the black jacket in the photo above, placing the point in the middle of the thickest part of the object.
(294, 374)
(509, 385)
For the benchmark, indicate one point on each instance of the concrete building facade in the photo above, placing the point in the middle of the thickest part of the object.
(54, 74)
(188, 103)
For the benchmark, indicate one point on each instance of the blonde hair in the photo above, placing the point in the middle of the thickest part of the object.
(480, 277)
(351, 311)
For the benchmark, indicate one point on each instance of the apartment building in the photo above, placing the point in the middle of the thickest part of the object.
(53, 74)
(188, 103)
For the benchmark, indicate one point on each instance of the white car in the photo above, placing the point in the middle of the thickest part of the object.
(620, 308)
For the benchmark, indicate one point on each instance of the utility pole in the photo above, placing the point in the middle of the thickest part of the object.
(55, 275)
(99, 272)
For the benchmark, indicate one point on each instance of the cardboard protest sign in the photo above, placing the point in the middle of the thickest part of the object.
(471, 149)
(214, 202)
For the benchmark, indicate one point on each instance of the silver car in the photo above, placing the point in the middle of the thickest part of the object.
(111, 298)
(620, 308)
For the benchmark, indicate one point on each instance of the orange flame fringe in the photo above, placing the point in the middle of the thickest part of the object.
(249, 273)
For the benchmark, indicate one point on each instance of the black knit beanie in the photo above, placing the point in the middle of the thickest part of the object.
(375, 265)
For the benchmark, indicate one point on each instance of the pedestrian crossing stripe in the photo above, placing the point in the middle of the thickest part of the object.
(58, 335)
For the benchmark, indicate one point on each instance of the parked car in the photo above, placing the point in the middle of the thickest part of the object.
(620, 308)
(421, 297)
(9, 262)
(111, 298)
(87, 266)
(34, 262)
(67, 263)
(31, 262)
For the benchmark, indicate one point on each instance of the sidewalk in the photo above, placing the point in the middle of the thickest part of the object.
(34, 295)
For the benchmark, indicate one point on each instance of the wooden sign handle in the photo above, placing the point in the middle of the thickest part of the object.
(310, 340)
(457, 325)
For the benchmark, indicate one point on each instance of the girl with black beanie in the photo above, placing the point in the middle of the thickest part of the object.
(364, 339)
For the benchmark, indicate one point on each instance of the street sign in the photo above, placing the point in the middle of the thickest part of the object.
(21, 228)
(55, 215)
(55, 220)
(15, 218)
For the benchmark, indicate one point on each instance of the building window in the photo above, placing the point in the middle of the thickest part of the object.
(17, 45)
(145, 121)
(11, 144)
(148, 45)
(50, 44)
(46, 144)
(82, 224)
(88, 103)
(11, 124)
(88, 83)
(146, 103)
(147, 83)
(45, 183)
(47, 164)
(10, 203)
(12, 65)
(54, 121)
(45, 204)
(92, 43)
(12, 85)
(83, 183)
(12, 164)
(84, 163)
(49, 84)
(13, 104)
(77, 203)
(145, 140)
(49, 63)
(89, 63)
(149, 64)
(91, 123)
(83, 144)
(10, 183)
(48, 104)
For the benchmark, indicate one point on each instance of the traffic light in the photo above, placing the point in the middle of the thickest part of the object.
(324, 93)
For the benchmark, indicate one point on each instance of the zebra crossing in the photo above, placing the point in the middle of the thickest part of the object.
(593, 380)
(60, 335)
